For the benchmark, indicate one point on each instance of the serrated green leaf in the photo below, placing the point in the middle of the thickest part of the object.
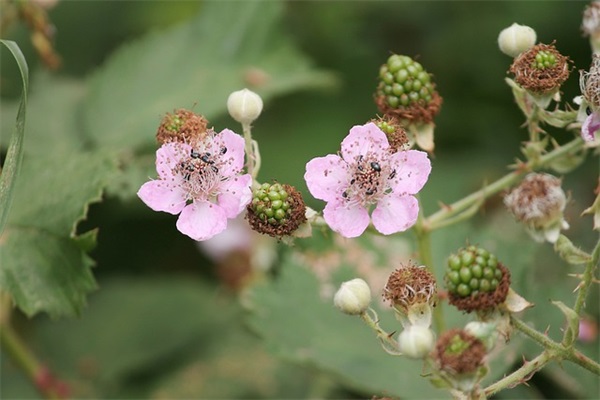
(228, 46)
(44, 272)
(14, 156)
(44, 265)
(298, 324)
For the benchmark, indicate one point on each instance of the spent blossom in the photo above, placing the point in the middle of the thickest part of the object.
(202, 183)
(366, 173)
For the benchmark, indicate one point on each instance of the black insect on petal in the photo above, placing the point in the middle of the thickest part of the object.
(375, 166)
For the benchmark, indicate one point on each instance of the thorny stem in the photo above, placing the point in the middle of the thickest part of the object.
(437, 219)
(521, 375)
(557, 350)
(588, 276)
(383, 336)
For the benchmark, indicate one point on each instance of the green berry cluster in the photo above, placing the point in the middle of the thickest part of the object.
(471, 271)
(544, 59)
(403, 81)
(386, 127)
(269, 203)
(456, 345)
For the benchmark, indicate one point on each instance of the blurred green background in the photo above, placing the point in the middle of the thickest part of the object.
(164, 323)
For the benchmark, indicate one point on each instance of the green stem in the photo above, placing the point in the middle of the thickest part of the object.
(249, 149)
(521, 375)
(385, 337)
(25, 360)
(588, 276)
(436, 220)
(424, 246)
(557, 349)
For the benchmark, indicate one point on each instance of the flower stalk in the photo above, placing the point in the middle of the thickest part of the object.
(438, 219)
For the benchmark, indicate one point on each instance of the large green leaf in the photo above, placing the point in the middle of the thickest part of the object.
(228, 46)
(300, 325)
(44, 264)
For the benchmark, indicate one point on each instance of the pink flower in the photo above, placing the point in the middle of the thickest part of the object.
(368, 173)
(203, 183)
(590, 126)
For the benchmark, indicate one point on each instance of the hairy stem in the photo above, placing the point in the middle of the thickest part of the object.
(437, 219)
(558, 350)
(521, 375)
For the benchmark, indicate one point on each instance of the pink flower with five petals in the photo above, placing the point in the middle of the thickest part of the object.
(367, 173)
(202, 183)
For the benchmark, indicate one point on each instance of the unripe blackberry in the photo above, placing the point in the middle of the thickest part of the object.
(459, 353)
(476, 280)
(396, 134)
(541, 69)
(276, 210)
(544, 59)
(182, 126)
(406, 91)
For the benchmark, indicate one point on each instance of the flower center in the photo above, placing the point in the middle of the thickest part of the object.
(369, 179)
(201, 171)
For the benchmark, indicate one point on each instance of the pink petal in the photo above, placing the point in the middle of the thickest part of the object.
(202, 220)
(412, 171)
(348, 220)
(395, 213)
(364, 139)
(160, 196)
(235, 195)
(327, 177)
(168, 157)
(234, 155)
(590, 126)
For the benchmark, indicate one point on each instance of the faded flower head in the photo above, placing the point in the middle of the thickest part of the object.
(476, 280)
(516, 39)
(276, 210)
(366, 174)
(353, 297)
(182, 126)
(406, 91)
(590, 24)
(410, 285)
(539, 202)
(460, 355)
(201, 181)
(541, 69)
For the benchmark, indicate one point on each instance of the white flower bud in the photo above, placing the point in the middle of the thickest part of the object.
(244, 106)
(353, 297)
(416, 341)
(516, 39)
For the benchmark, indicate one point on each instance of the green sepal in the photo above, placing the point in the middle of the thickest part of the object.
(572, 323)
(569, 252)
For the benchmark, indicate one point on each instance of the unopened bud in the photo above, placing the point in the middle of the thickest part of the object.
(353, 297)
(416, 341)
(516, 39)
(244, 106)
